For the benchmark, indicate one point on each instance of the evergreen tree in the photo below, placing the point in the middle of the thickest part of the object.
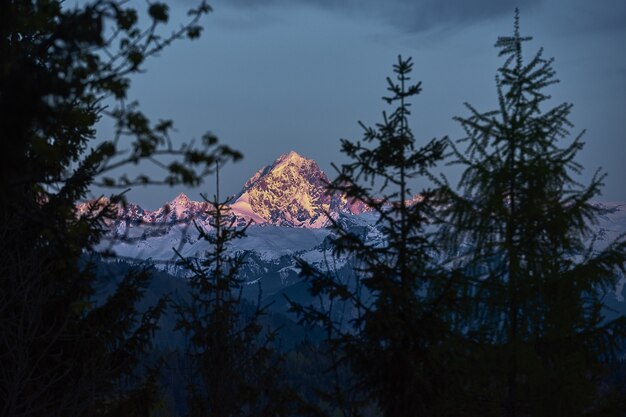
(401, 305)
(233, 368)
(63, 69)
(522, 232)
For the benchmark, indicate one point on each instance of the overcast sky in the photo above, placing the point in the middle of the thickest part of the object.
(269, 76)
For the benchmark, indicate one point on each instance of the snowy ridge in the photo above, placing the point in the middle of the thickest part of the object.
(287, 205)
(289, 192)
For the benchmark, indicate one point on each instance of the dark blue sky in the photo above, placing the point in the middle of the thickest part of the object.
(269, 76)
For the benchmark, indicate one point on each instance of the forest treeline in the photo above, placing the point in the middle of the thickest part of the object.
(486, 297)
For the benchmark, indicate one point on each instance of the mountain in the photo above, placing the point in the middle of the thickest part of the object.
(128, 211)
(286, 203)
(179, 209)
(290, 192)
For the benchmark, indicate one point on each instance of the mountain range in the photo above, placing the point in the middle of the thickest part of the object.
(287, 206)
(290, 192)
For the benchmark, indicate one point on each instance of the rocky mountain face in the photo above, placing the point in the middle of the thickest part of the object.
(290, 192)
(179, 209)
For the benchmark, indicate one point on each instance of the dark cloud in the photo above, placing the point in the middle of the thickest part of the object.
(418, 16)
(248, 20)
(407, 15)
(589, 17)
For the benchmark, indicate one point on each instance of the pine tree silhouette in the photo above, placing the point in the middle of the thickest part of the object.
(401, 303)
(233, 367)
(521, 231)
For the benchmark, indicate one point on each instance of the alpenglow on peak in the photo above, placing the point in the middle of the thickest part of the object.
(290, 157)
(289, 192)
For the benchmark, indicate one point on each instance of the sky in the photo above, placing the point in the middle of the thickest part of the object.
(270, 76)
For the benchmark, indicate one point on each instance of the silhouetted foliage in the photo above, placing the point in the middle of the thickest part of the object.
(63, 70)
(397, 332)
(233, 368)
(521, 230)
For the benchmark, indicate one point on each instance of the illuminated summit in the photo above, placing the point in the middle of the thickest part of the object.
(289, 192)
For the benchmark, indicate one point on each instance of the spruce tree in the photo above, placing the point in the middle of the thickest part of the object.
(233, 367)
(521, 229)
(401, 304)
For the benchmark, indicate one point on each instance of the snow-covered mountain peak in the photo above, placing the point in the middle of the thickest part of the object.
(289, 192)
(180, 200)
(181, 208)
(122, 210)
(291, 157)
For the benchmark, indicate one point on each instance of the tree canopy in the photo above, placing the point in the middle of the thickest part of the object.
(521, 229)
(62, 70)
